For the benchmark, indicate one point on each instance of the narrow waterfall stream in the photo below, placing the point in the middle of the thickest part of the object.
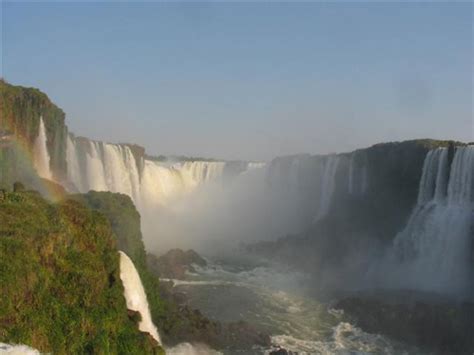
(41, 154)
(135, 295)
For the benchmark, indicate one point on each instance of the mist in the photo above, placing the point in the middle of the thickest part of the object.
(222, 213)
(314, 212)
(261, 178)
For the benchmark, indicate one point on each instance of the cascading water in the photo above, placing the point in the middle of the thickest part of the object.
(358, 174)
(103, 167)
(41, 154)
(305, 184)
(156, 188)
(255, 165)
(294, 183)
(160, 184)
(433, 251)
(203, 170)
(135, 295)
(121, 172)
(73, 167)
(136, 299)
(328, 185)
(113, 167)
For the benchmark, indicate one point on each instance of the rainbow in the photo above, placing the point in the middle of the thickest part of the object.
(26, 154)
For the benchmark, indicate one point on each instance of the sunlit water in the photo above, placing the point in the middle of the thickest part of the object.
(135, 295)
(10, 349)
(273, 302)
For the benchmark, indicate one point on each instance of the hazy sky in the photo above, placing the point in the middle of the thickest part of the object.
(248, 80)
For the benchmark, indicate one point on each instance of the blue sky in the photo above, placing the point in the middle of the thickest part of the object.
(248, 80)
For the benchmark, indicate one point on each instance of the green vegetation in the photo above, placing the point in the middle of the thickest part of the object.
(175, 322)
(59, 277)
(20, 112)
(125, 222)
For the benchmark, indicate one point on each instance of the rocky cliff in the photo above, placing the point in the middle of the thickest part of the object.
(369, 195)
(21, 110)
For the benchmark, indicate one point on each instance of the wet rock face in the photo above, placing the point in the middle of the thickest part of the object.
(440, 327)
(175, 263)
(192, 326)
(244, 335)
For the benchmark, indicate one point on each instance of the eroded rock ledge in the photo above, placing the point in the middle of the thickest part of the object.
(433, 323)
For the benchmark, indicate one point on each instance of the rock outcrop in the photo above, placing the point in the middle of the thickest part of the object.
(175, 263)
(438, 325)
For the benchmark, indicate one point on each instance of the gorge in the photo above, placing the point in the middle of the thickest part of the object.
(283, 239)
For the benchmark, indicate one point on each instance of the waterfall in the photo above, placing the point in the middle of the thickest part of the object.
(305, 184)
(249, 168)
(294, 176)
(73, 167)
(351, 176)
(328, 185)
(202, 171)
(41, 155)
(358, 174)
(434, 177)
(255, 165)
(160, 183)
(102, 167)
(135, 295)
(283, 175)
(433, 251)
(95, 169)
(113, 167)
(121, 172)
(461, 180)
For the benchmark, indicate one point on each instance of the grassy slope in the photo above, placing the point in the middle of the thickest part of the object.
(125, 222)
(119, 209)
(59, 277)
(20, 112)
(175, 323)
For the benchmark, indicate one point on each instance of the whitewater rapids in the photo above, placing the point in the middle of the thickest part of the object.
(275, 302)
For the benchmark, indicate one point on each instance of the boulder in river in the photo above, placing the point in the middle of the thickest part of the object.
(175, 263)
